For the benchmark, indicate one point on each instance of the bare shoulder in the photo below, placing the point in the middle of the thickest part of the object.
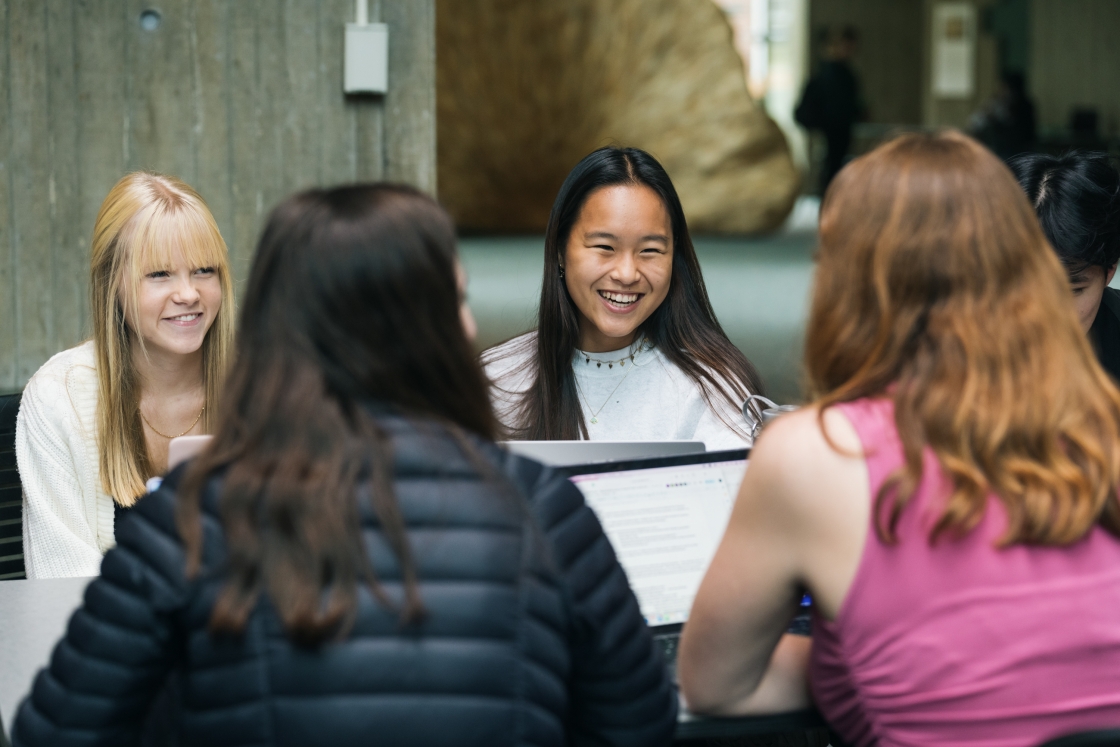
(802, 448)
(810, 474)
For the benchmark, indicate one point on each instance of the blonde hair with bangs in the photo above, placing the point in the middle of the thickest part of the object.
(143, 220)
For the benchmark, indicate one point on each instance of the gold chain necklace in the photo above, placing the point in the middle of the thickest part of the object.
(158, 433)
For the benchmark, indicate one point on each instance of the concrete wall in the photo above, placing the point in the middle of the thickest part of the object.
(240, 98)
(1075, 60)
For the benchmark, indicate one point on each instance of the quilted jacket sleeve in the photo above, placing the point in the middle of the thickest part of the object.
(119, 645)
(621, 693)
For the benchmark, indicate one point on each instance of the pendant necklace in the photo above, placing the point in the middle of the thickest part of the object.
(610, 364)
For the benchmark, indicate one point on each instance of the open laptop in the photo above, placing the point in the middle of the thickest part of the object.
(565, 453)
(665, 518)
(183, 448)
(552, 453)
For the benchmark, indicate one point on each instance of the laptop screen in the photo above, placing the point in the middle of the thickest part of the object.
(665, 520)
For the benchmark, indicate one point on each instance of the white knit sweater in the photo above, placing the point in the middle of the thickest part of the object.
(67, 518)
(649, 400)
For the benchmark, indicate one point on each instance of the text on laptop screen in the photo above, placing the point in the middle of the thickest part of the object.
(665, 524)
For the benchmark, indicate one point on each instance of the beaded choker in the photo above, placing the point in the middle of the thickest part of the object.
(620, 362)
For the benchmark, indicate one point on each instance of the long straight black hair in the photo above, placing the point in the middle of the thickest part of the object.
(683, 327)
(352, 306)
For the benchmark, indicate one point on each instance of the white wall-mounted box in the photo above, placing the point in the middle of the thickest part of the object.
(366, 68)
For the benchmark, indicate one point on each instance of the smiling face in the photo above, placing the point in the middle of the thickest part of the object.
(618, 264)
(1088, 286)
(174, 306)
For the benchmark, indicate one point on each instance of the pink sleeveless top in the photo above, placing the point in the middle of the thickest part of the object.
(961, 643)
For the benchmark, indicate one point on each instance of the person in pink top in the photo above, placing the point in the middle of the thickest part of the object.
(949, 499)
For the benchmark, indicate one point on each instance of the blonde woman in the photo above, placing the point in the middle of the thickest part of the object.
(95, 421)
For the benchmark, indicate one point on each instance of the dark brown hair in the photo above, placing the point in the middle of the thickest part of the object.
(683, 327)
(352, 306)
(936, 288)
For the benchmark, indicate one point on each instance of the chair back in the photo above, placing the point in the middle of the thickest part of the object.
(11, 493)
(1102, 738)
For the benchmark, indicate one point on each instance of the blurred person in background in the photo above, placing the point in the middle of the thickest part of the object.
(627, 346)
(352, 559)
(1006, 122)
(1077, 199)
(96, 420)
(949, 500)
(831, 101)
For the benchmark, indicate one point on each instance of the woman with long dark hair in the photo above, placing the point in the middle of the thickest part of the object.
(950, 498)
(627, 346)
(352, 558)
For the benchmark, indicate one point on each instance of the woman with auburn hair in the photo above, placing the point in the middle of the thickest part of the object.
(627, 346)
(950, 498)
(95, 421)
(353, 560)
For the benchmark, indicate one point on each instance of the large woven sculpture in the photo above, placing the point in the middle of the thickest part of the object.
(525, 88)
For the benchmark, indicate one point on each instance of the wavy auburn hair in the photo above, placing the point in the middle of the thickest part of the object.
(936, 288)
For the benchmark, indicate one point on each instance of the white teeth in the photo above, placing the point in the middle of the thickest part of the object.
(619, 298)
(185, 318)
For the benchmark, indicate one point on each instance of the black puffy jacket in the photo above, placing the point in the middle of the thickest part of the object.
(532, 635)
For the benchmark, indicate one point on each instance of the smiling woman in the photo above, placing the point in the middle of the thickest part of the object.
(618, 264)
(627, 346)
(95, 421)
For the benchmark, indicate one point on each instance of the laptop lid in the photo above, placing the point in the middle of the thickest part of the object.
(182, 448)
(565, 453)
(665, 518)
